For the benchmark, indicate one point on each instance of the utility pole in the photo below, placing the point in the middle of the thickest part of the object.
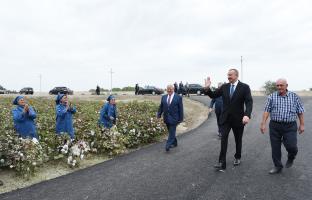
(40, 78)
(242, 68)
(111, 77)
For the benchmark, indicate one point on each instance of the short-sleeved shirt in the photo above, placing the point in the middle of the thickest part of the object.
(284, 108)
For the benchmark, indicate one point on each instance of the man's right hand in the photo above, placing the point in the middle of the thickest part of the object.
(207, 82)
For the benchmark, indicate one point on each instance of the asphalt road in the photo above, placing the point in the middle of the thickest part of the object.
(186, 172)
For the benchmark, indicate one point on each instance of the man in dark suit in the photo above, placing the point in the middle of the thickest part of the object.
(171, 106)
(235, 95)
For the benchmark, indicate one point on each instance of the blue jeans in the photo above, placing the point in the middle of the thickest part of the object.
(172, 140)
(285, 133)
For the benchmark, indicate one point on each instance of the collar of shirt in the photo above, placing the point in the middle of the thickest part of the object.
(287, 93)
(235, 84)
(171, 97)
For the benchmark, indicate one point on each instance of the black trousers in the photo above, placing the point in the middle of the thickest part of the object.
(218, 115)
(238, 135)
(285, 133)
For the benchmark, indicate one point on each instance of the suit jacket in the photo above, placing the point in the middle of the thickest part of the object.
(173, 113)
(233, 108)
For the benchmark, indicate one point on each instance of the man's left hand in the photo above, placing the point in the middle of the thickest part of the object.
(245, 120)
(301, 129)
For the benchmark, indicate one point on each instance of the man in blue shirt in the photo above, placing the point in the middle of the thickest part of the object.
(283, 107)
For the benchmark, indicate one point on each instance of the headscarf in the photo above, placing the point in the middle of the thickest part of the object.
(15, 101)
(58, 98)
(110, 97)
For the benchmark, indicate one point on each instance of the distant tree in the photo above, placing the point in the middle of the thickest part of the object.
(101, 90)
(128, 88)
(269, 87)
(310, 89)
(116, 89)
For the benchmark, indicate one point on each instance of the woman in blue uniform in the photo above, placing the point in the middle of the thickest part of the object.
(24, 119)
(108, 113)
(64, 116)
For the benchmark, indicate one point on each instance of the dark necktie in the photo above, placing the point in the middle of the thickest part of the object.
(232, 90)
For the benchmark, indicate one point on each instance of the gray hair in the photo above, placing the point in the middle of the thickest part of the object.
(170, 86)
(283, 80)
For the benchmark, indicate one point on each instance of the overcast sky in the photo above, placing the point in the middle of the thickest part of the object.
(75, 43)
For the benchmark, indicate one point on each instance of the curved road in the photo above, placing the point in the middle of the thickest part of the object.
(186, 172)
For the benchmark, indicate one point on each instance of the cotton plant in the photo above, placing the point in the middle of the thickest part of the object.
(77, 153)
(137, 125)
(24, 156)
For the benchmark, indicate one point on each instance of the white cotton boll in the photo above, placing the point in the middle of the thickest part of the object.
(2, 161)
(81, 156)
(69, 159)
(35, 140)
(87, 149)
(75, 150)
(92, 144)
(21, 155)
(11, 166)
(74, 161)
(34, 163)
(92, 133)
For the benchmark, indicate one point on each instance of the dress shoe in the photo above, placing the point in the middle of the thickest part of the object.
(236, 162)
(167, 149)
(219, 166)
(174, 145)
(275, 170)
(289, 163)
